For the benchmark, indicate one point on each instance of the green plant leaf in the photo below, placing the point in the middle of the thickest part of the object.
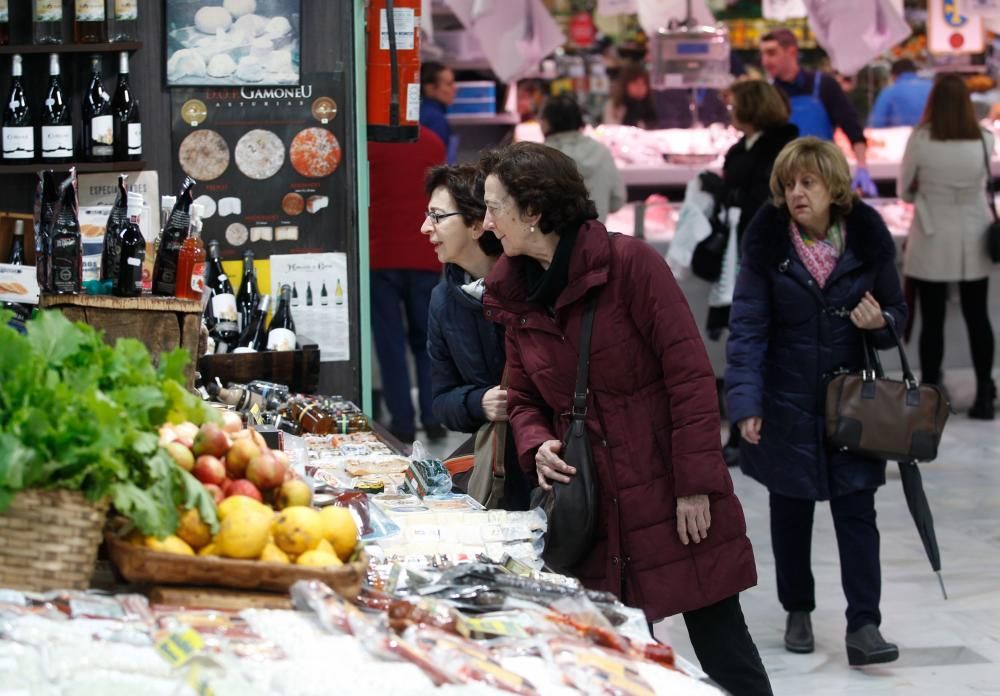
(53, 336)
(195, 496)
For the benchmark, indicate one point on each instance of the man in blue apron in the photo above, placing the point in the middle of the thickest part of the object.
(818, 103)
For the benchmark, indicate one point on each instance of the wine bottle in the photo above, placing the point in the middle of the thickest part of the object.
(133, 251)
(113, 231)
(57, 122)
(295, 295)
(254, 336)
(127, 125)
(88, 24)
(226, 330)
(191, 261)
(98, 120)
(309, 294)
(46, 198)
(248, 296)
(16, 256)
(67, 244)
(18, 130)
(4, 22)
(338, 294)
(123, 20)
(324, 299)
(281, 331)
(46, 21)
(174, 233)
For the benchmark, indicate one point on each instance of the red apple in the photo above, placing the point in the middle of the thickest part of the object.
(239, 457)
(264, 471)
(244, 487)
(217, 495)
(180, 454)
(209, 469)
(211, 439)
(231, 422)
(226, 483)
(186, 441)
(186, 430)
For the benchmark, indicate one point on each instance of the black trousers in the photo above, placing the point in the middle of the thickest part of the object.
(933, 300)
(726, 650)
(857, 541)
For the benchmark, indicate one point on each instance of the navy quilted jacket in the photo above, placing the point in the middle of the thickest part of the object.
(789, 336)
(466, 352)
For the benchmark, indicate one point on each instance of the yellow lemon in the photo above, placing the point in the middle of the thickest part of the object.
(193, 529)
(243, 534)
(273, 554)
(339, 529)
(237, 502)
(297, 529)
(170, 544)
(318, 559)
(325, 545)
(208, 550)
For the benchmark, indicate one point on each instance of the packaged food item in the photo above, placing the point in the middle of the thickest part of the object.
(427, 477)
(595, 671)
(113, 228)
(65, 241)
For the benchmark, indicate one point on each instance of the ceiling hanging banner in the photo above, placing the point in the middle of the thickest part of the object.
(610, 8)
(781, 10)
(853, 32)
(654, 14)
(951, 31)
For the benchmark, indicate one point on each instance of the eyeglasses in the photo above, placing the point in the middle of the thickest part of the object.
(436, 218)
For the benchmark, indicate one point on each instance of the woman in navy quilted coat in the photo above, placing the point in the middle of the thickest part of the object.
(817, 270)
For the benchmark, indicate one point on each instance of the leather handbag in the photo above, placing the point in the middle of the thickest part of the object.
(572, 508)
(872, 415)
(709, 254)
(993, 231)
(489, 474)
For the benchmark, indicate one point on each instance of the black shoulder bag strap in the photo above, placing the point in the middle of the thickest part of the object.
(579, 412)
(990, 194)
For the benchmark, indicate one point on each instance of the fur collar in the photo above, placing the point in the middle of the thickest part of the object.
(766, 242)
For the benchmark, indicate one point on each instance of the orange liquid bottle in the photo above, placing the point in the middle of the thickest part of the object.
(191, 263)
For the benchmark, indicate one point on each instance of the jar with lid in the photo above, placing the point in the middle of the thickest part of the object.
(311, 417)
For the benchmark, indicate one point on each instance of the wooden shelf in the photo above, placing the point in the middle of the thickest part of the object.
(81, 167)
(147, 303)
(71, 48)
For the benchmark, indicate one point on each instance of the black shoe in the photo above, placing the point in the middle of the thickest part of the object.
(866, 646)
(799, 633)
(982, 407)
(435, 433)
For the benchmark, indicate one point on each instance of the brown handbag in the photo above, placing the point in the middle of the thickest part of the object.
(875, 416)
(489, 474)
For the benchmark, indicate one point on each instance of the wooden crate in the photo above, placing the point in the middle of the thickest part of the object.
(161, 323)
(298, 369)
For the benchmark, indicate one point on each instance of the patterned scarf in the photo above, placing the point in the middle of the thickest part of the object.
(819, 257)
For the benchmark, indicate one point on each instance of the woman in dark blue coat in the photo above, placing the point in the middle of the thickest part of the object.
(817, 270)
(466, 350)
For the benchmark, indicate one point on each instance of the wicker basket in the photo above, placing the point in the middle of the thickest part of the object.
(49, 540)
(142, 565)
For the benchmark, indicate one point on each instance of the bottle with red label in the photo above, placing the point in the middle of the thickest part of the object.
(191, 261)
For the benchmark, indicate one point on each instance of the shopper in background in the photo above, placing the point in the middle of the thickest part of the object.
(760, 112)
(466, 350)
(404, 271)
(437, 92)
(944, 172)
(818, 104)
(671, 535)
(530, 97)
(817, 269)
(631, 102)
(562, 122)
(901, 103)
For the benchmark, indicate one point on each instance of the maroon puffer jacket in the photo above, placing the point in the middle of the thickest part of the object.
(652, 415)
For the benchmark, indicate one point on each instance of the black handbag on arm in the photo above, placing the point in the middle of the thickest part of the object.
(571, 508)
(993, 231)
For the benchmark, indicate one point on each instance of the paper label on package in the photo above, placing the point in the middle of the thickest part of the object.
(90, 10)
(48, 10)
(18, 284)
(178, 648)
(18, 142)
(4, 11)
(405, 20)
(126, 9)
(134, 139)
(57, 141)
(413, 102)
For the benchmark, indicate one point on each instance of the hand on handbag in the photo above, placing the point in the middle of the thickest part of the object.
(694, 517)
(549, 466)
(868, 314)
(495, 404)
(750, 429)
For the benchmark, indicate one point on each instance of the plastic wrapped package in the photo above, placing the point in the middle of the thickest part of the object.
(426, 475)
(595, 671)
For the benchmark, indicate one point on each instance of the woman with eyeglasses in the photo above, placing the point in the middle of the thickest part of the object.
(466, 350)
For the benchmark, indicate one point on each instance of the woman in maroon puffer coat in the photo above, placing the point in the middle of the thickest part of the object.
(671, 536)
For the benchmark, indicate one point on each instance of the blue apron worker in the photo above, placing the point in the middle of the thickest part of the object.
(901, 103)
(818, 104)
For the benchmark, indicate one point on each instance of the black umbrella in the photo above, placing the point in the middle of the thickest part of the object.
(920, 510)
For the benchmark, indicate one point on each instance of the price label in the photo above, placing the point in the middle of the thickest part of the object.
(178, 648)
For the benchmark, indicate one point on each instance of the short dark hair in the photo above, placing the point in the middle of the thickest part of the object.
(563, 114)
(785, 37)
(759, 104)
(465, 184)
(903, 65)
(430, 72)
(542, 181)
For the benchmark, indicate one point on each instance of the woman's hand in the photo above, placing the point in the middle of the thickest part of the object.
(694, 517)
(549, 466)
(750, 429)
(495, 404)
(868, 314)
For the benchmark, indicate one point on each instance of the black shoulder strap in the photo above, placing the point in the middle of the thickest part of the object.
(990, 195)
(583, 366)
